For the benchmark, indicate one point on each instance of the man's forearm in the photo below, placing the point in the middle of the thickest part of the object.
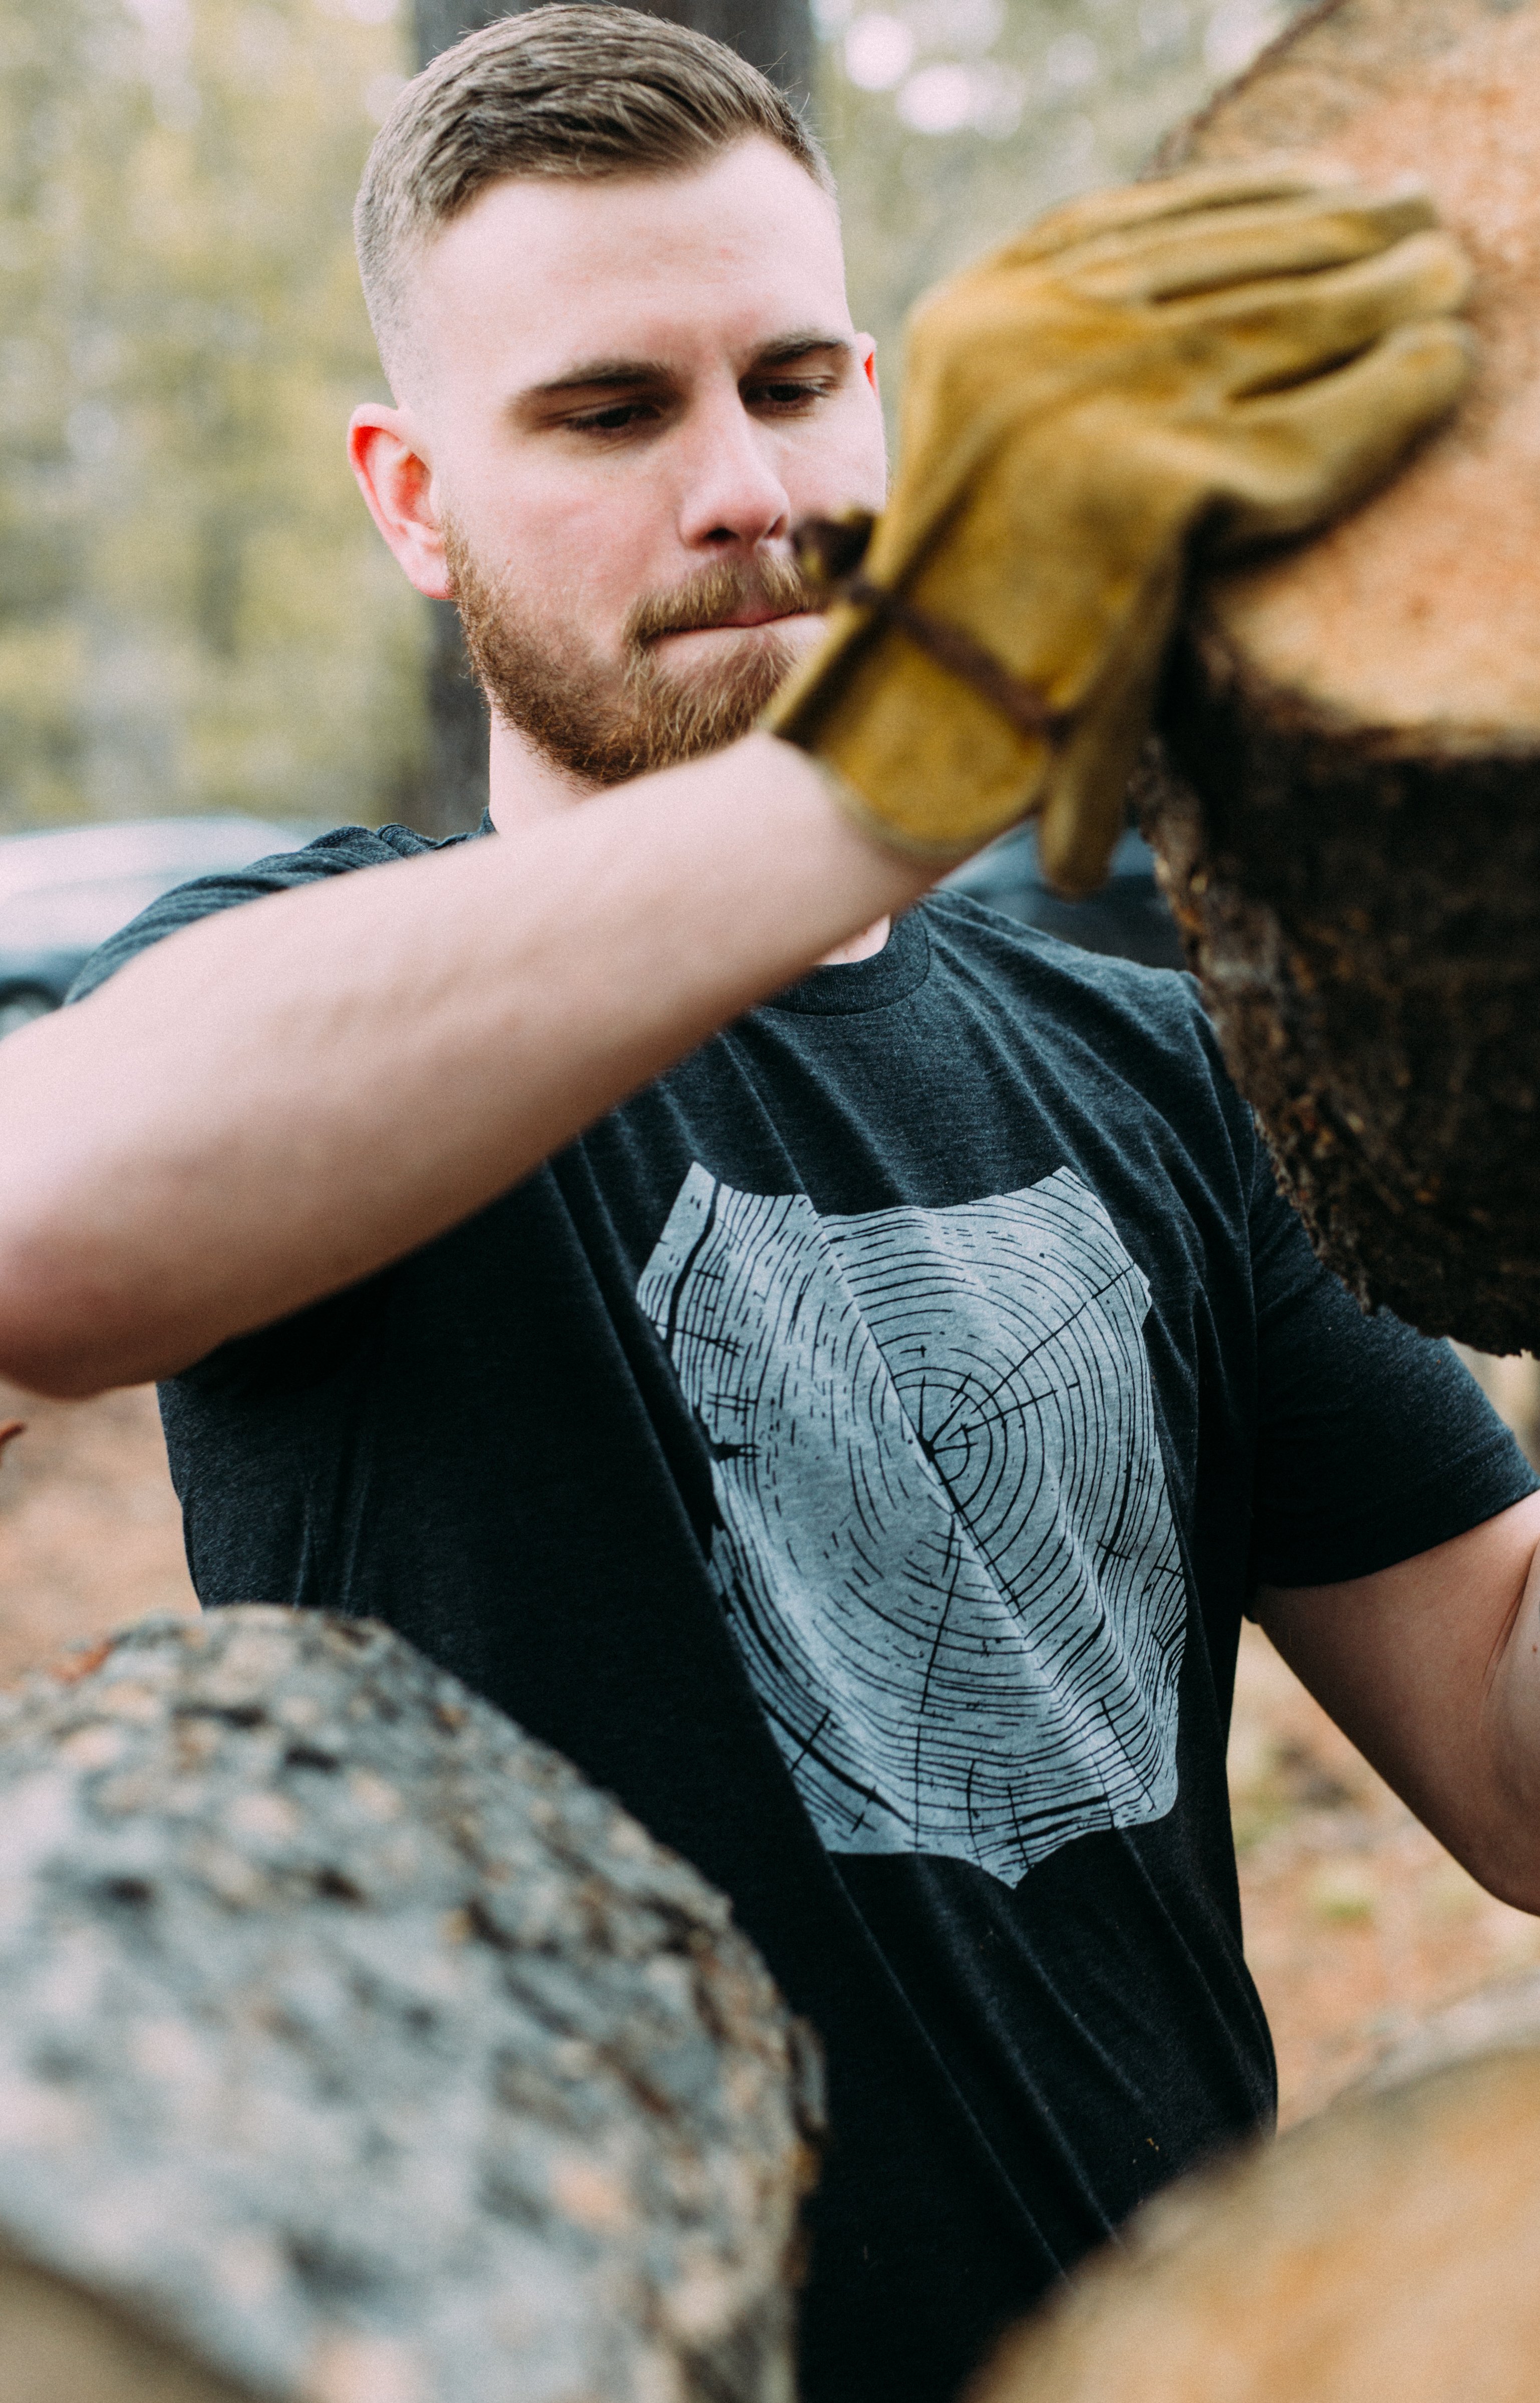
(1433, 1668)
(286, 1096)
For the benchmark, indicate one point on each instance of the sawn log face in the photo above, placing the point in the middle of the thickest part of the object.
(354, 2044)
(1360, 722)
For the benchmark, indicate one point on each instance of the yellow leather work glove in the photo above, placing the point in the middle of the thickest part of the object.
(1234, 354)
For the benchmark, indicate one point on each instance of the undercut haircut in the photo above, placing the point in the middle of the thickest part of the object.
(574, 90)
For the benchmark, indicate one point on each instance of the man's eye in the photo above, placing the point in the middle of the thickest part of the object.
(618, 420)
(786, 393)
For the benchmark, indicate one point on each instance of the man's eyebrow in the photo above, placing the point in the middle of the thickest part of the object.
(801, 345)
(635, 375)
(601, 374)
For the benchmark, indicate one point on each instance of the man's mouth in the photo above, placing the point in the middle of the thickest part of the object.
(725, 598)
(756, 614)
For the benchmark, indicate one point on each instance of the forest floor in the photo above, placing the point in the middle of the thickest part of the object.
(1358, 1925)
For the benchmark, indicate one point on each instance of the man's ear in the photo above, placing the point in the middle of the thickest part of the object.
(389, 457)
(868, 368)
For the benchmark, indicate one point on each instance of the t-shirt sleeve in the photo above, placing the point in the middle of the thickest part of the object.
(1374, 1443)
(331, 854)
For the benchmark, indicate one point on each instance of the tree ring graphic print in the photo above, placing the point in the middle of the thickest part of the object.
(945, 1546)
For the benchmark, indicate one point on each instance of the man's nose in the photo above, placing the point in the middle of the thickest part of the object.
(732, 492)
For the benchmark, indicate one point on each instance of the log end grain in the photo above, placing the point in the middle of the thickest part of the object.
(1419, 614)
(62, 2343)
(357, 2046)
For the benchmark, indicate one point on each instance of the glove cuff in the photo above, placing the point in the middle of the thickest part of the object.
(869, 821)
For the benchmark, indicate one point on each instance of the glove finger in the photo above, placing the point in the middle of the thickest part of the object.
(1313, 452)
(1082, 819)
(1126, 206)
(1300, 236)
(1084, 806)
(1296, 327)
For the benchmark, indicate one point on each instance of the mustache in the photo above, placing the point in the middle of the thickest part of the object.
(717, 593)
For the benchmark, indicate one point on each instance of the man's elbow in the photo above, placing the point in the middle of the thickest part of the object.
(39, 1364)
(1503, 1858)
(56, 1336)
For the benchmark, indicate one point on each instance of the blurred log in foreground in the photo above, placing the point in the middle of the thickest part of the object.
(1360, 721)
(354, 2049)
(1384, 2253)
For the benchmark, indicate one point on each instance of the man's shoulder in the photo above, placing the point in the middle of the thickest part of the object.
(973, 937)
(1112, 1031)
(335, 853)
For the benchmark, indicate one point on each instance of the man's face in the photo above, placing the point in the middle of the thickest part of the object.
(628, 394)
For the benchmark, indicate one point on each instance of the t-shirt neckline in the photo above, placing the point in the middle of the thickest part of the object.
(890, 975)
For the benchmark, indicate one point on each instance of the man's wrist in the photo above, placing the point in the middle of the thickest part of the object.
(907, 870)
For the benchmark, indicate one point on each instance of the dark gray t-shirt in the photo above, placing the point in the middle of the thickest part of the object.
(856, 1451)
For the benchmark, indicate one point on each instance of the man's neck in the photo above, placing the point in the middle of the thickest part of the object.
(524, 787)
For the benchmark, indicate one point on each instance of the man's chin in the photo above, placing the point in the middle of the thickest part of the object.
(676, 697)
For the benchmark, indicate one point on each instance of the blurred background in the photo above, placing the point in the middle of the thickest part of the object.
(196, 614)
(199, 626)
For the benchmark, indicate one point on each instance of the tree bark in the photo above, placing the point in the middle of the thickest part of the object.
(354, 2049)
(1352, 839)
(775, 36)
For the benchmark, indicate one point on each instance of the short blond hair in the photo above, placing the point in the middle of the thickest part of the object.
(576, 89)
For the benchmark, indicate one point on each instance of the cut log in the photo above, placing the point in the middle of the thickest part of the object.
(1360, 722)
(353, 2048)
(1384, 2253)
(1502, 2016)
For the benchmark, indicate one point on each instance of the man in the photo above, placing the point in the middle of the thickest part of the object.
(837, 1370)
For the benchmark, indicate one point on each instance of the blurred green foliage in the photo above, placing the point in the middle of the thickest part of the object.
(195, 612)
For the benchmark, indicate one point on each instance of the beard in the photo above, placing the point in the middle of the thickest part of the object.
(605, 723)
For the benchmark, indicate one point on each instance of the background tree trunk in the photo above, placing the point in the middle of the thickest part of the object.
(773, 34)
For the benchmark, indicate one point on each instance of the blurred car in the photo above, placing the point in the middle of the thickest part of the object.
(1127, 917)
(62, 894)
